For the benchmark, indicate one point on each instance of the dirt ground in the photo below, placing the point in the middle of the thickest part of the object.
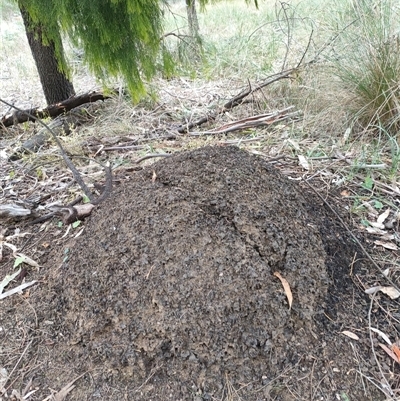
(170, 293)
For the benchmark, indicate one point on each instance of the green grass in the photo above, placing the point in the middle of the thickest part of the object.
(233, 45)
(368, 64)
(7, 9)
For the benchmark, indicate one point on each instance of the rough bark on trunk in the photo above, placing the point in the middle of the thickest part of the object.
(192, 18)
(56, 85)
(195, 47)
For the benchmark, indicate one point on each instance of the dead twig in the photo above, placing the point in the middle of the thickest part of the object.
(152, 373)
(283, 9)
(150, 156)
(52, 214)
(128, 147)
(19, 360)
(250, 122)
(237, 100)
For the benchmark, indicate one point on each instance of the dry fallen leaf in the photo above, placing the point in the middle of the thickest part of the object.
(25, 392)
(294, 144)
(387, 245)
(383, 216)
(345, 193)
(303, 162)
(383, 335)
(372, 290)
(376, 231)
(350, 334)
(7, 279)
(17, 289)
(396, 350)
(345, 136)
(27, 260)
(389, 352)
(390, 291)
(286, 287)
(377, 225)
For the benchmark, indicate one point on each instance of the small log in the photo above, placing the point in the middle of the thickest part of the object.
(53, 110)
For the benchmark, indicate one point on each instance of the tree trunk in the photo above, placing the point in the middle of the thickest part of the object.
(195, 48)
(192, 18)
(56, 85)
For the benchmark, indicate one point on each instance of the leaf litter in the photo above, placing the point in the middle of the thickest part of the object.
(162, 213)
(263, 152)
(286, 287)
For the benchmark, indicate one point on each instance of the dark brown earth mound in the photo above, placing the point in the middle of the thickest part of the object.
(171, 294)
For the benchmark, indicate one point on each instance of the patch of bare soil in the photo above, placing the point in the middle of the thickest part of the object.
(171, 294)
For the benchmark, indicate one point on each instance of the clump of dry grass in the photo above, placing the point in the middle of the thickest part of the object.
(368, 65)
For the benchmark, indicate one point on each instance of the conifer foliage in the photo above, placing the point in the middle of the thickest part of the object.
(118, 37)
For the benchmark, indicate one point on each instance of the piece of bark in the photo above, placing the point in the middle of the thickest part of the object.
(14, 211)
(70, 214)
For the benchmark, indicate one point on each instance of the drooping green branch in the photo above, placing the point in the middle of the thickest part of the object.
(118, 37)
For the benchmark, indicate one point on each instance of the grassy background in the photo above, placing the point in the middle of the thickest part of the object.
(347, 89)
(354, 46)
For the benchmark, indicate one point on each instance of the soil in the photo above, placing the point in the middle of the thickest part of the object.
(170, 293)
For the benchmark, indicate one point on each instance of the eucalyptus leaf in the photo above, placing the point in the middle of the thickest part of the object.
(76, 224)
(18, 261)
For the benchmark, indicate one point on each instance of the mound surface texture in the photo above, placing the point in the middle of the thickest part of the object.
(171, 289)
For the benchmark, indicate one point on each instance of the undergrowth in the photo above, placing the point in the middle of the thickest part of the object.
(367, 62)
(345, 82)
(346, 86)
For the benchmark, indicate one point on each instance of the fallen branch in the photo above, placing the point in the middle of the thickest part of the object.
(237, 100)
(48, 216)
(70, 214)
(54, 110)
(71, 166)
(61, 125)
(250, 122)
(13, 210)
